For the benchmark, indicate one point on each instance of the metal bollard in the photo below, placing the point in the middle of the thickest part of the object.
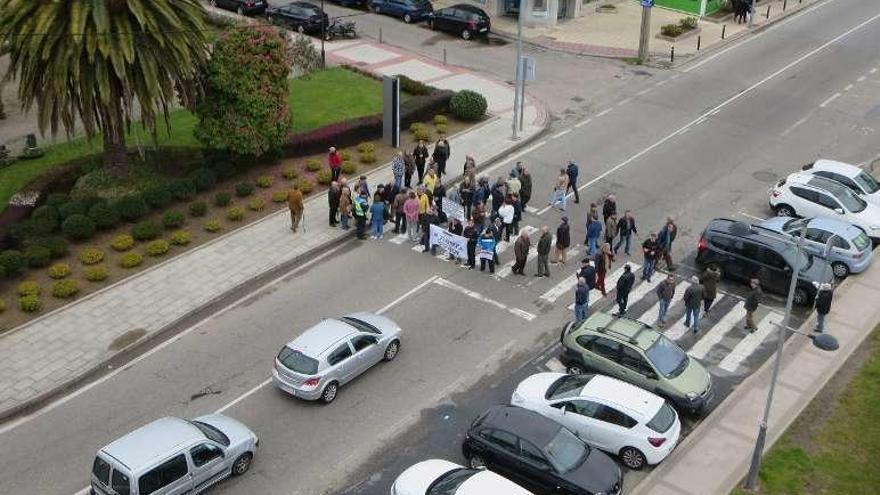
(672, 54)
(380, 35)
(444, 55)
(767, 15)
(784, 3)
(698, 42)
(723, 30)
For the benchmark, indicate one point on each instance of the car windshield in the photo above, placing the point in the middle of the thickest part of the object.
(565, 451)
(667, 357)
(663, 420)
(212, 432)
(567, 386)
(867, 182)
(850, 201)
(448, 483)
(297, 361)
(794, 225)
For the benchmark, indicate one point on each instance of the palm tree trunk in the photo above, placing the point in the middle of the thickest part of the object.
(115, 153)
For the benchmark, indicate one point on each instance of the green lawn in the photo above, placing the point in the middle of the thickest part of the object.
(840, 457)
(318, 100)
(689, 6)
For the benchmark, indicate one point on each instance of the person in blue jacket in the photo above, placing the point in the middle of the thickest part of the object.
(487, 251)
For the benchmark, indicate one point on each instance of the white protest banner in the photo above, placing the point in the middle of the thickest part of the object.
(455, 245)
(453, 209)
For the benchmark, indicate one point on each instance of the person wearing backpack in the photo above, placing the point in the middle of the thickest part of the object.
(572, 172)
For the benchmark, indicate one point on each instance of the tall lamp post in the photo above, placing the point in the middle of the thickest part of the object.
(519, 75)
(323, 36)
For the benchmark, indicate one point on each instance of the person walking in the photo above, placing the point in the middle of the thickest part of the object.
(478, 214)
(359, 210)
(624, 286)
(824, 296)
(693, 298)
(626, 227)
(377, 217)
(594, 232)
(611, 229)
(650, 250)
(563, 240)
(498, 195)
(397, 208)
(420, 156)
(665, 239)
(588, 273)
(472, 235)
(362, 187)
(544, 244)
(470, 168)
(664, 292)
(398, 169)
(295, 203)
(753, 300)
(506, 213)
(409, 168)
(466, 193)
(709, 278)
(430, 180)
(558, 194)
(609, 207)
(333, 196)
(572, 171)
(581, 301)
(525, 188)
(603, 263)
(487, 251)
(334, 160)
(521, 252)
(344, 203)
(411, 212)
(441, 154)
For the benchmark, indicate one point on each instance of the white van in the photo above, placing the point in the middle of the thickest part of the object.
(172, 455)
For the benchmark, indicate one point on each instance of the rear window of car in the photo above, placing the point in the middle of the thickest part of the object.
(101, 470)
(868, 183)
(861, 241)
(297, 361)
(567, 386)
(663, 420)
(120, 484)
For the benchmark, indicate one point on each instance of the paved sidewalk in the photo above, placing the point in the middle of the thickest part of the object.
(715, 457)
(62, 347)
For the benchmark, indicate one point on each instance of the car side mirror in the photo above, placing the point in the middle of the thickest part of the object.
(839, 211)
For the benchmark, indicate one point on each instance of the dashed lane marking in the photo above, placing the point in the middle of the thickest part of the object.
(583, 123)
(848, 87)
(604, 112)
(829, 100)
(560, 134)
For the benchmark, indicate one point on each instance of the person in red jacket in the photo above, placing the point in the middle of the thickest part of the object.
(335, 162)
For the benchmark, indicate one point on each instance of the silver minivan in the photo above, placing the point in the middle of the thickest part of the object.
(172, 456)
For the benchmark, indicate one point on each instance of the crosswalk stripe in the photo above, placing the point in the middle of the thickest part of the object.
(559, 289)
(650, 316)
(507, 269)
(716, 333)
(555, 365)
(750, 342)
(643, 289)
(418, 247)
(611, 280)
(398, 239)
(531, 209)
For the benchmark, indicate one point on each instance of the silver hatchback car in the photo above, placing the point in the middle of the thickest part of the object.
(334, 352)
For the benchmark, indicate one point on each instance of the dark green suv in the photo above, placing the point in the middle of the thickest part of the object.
(634, 352)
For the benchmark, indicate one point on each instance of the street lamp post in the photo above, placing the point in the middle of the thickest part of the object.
(752, 13)
(323, 36)
(518, 84)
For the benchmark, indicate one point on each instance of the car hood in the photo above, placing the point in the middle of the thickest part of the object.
(418, 477)
(534, 388)
(694, 378)
(489, 483)
(775, 223)
(236, 431)
(598, 473)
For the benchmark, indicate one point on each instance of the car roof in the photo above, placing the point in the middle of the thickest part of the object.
(304, 4)
(757, 233)
(523, 423)
(317, 339)
(818, 182)
(834, 166)
(622, 329)
(152, 442)
(628, 396)
(469, 8)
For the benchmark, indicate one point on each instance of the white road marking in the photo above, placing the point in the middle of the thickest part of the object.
(829, 100)
(643, 92)
(796, 125)
(861, 79)
(848, 87)
(480, 297)
(559, 289)
(750, 342)
(408, 293)
(650, 316)
(583, 122)
(874, 70)
(507, 268)
(716, 333)
(749, 215)
(418, 248)
(644, 288)
(611, 281)
(244, 395)
(501, 247)
(661, 82)
(398, 239)
(531, 209)
(560, 134)
(624, 101)
(555, 365)
(604, 112)
(512, 159)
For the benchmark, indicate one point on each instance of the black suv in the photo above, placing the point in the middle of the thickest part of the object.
(742, 252)
(525, 446)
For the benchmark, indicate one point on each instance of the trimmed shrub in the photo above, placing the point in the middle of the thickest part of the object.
(349, 168)
(12, 261)
(671, 30)
(265, 181)
(90, 201)
(78, 227)
(57, 199)
(366, 147)
(2, 306)
(103, 216)
(157, 247)
(279, 196)
(158, 197)
(29, 288)
(56, 245)
(183, 189)
(222, 199)
(46, 213)
(441, 128)
(413, 87)
(440, 120)
(180, 238)
(257, 204)
(368, 157)
(212, 225)
(688, 23)
(122, 242)
(173, 219)
(345, 155)
(235, 214)
(324, 177)
(131, 208)
(468, 105)
(203, 178)
(290, 173)
(131, 260)
(91, 256)
(38, 256)
(65, 289)
(30, 304)
(96, 273)
(243, 189)
(305, 185)
(71, 208)
(59, 270)
(32, 227)
(146, 231)
(198, 208)
(313, 165)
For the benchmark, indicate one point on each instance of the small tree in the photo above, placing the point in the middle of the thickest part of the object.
(303, 55)
(244, 107)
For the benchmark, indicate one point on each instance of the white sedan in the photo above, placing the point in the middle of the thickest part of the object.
(439, 477)
(609, 414)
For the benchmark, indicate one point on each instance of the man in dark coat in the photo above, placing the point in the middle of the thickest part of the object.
(651, 250)
(753, 300)
(572, 172)
(333, 195)
(624, 286)
(441, 154)
(823, 304)
(588, 273)
(497, 197)
(420, 156)
(525, 189)
(521, 251)
(471, 234)
(693, 298)
(409, 167)
(609, 207)
(544, 245)
(563, 240)
(665, 239)
(709, 278)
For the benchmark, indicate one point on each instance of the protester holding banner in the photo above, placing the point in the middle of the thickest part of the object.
(466, 194)
(487, 251)
(470, 233)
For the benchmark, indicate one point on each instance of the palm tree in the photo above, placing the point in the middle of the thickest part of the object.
(103, 62)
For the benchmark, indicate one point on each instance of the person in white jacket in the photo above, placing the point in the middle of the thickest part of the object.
(506, 213)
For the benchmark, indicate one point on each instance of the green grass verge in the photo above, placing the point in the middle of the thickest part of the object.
(688, 6)
(320, 99)
(840, 457)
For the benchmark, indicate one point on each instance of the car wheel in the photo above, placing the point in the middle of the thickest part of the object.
(391, 351)
(715, 266)
(800, 297)
(407, 18)
(632, 458)
(784, 211)
(575, 369)
(839, 269)
(466, 35)
(242, 464)
(476, 462)
(329, 393)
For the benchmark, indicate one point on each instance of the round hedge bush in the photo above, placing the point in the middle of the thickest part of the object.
(235, 214)
(122, 242)
(468, 105)
(440, 120)
(222, 199)
(65, 289)
(29, 288)
(173, 219)
(59, 270)
(183, 189)
(305, 186)
(12, 261)
(368, 157)
(130, 260)
(265, 181)
(91, 256)
(103, 216)
(146, 231)
(313, 165)
(198, 208)
(73, 207)
(56, 245)
(279, 196)
(38, 256)
(349, 168)
(257, 204)
(203, 178)
(180, 238)
(243, 189)
(131, 208)
(78, 227)
(30, 304)
(212, 225)
(57, 199)
(158, 197)
(323, 177)
(441, 128)
(290, 173)
(366, 147)
(96, 273)
(46, 213)
(157, 247)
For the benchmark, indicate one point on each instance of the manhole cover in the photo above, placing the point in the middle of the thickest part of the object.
(126, 339)
(764, 176)
(577, 99)
(642, 73)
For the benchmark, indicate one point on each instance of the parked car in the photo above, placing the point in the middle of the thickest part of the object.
(461, 19)
(332, 353)
(439, 477)
(608, 414)
(806, 195)
(351, 3)
(857, 180)
(742, 252)
(242, 7)
(851, 250)
(174, 455)
(408, 10)
(304, 17)
(631, 351)
(522, 444)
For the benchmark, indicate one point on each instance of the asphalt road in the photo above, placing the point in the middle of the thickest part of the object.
(706, 142)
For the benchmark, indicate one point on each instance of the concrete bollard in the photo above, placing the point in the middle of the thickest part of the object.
(784, 4)
(672, 54)
(444, 55)
(767, 15)
(698, 42)
(380, 35)
(723, 30)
